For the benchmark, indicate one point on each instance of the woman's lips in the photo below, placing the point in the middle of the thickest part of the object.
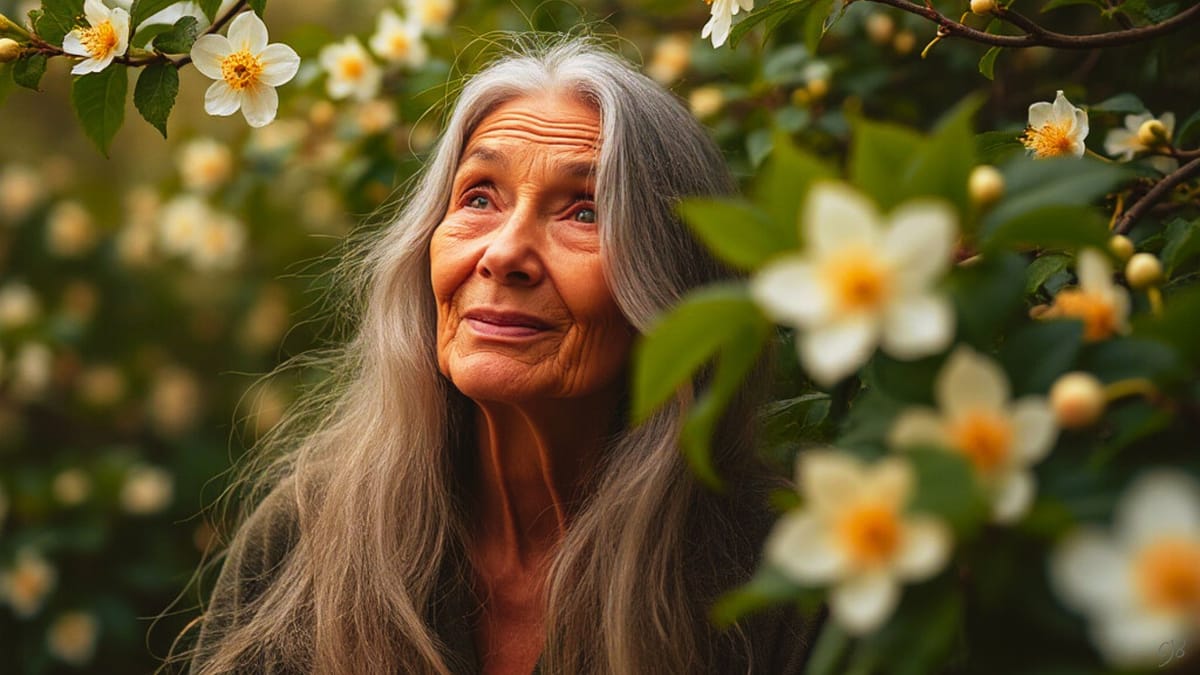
(504, 324)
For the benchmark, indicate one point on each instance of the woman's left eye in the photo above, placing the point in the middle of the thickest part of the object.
(585, 215)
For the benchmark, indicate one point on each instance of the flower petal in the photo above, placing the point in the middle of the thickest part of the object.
(917, 426)
(73, 45)
(789, 290)
(801, 547)
(1093, 270)
(95, 11)
(864, 603)
(890, 481)
(836, 216)
(971, 381)
(1080, 130)
(1012, 496)
(221, 100)
(1062, 110)
(920, 240)
(259, 104)
(208, 52)
(1168, 122)
(89, 66)
(1122, 143)
(917, 326)
(1040, 114)
(1134, 122)
(1090, 573)
(1035, 429)
(280, 63)
(1159, 502)
(718, 27)
(829, 479)
(248, 32)
(1136, 638)
(834, 350)
(925, 548)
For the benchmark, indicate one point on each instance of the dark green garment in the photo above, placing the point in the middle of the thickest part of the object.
(780, 640)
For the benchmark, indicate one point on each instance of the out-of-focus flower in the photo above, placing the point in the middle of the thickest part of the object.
(721, 19)
(147, 490)
(1127, 142)
(70, 231)
(174, 401)
(72, 637)
(105, 38)
(854, 533)
(1077, 399)
(1143, 270)
(182, 221)
(268, 404)
(1139, 584)
(246, 70)
(672, 55)
(880, 27)
(422, 137)
(219, 243)
(278, 137)
(863, 281)
(79, 300)
(1102, 305)
(1001, 438)
(18, 305)
(204, 164)
(71, 487)
(20, 190)
(375, 116)
(398, 40)
(904, 41)
(433, 16)
(27, 584)
(706, 101)
(267, 319)
(985, 185)
(351, 71)
(323, 211)
(33, 367)
(102, 386)
(1056, 129)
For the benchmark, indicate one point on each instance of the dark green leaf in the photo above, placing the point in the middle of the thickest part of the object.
(57, 18)
(994, 147)
(758, 145)
(987, 295)
(148, 33)
(767, 588)
(945, 160)
(1130, 422)
(1055, 4)
(99, 101)
(1179, 326)
(210, 8)
(829, 652)
(918, 639)
(865, 428)
(1057, 227)
(947, 488)
(1124, 104)
(179, 39)
(783, 184)
(906, 381)
(987, 64)
(1039, 352)
(776, 11)
(155, 93)
(1033, 183)
(1183, 244)
(144, 9)
(28, 71)
(259, 6)
(1042, 268)
(1184, 133)
(736, 232)
(814, 23)
(879, 155)
(1125, 358)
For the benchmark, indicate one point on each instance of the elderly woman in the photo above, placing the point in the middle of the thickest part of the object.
(473, 499)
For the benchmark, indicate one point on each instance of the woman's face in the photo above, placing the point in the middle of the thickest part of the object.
(524, 311)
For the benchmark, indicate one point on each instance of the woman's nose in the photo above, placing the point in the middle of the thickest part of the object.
(512, 256)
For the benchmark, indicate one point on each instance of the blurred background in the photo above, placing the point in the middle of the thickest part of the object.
(147, 297)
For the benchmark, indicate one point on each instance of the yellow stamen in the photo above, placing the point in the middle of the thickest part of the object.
(352, 67)
(870, 534)
(241, 70)
(857, 279)
(1167, 574)
(99, 40)
(1097, 312)
(985, 438)
(399, 43)
(1051, 140)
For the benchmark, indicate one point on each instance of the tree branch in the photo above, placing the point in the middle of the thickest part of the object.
(1156, 194)
(1036, 36)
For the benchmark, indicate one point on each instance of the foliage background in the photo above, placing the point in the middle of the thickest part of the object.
(156, 363)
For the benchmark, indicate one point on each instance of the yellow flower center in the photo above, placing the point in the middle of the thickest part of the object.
(351, 67)
(858, 280)
(435, 13)
(1167, 574)
(985, 438)
(1097, 312)
(1051, 140)
(399, 43)
(99, 40)
(241, 70)
(870, 534)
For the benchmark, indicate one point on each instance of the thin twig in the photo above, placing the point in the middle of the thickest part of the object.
(1156, 194)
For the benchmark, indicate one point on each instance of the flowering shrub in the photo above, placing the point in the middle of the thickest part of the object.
(975, 262)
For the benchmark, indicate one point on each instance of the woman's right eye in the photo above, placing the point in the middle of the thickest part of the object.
(478, 202)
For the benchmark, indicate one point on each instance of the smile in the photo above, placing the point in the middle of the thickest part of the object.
(504, 324)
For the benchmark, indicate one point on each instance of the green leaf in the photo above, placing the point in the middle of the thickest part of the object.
(144, 9)
(210, 8)
(945, 160)
(1125, 358)
(1055, 4)
(758, 146)
(1183, 244)
(987, 295)
(99, 101)
(1031, 184)
(947, 488)
(1042, 268)
(57, 18)
(259, 6)
(1055, 226)
(918, 638)
(767, 588)
(736, 232)
(1036, 354)
(155, 94)
(829, 651)
(1126, 104)
(684, 340)
(1130, 422)
(1179, 325)
(783, 184)
(180, 37)
(987, 64)
(814, 24)
(776, 12)
(1184, 134)
(906, 381)
(879, 153)
(28, 71)
(148, 33)
(993, 147)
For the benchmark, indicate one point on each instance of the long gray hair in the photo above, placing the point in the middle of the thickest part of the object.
(373, 468)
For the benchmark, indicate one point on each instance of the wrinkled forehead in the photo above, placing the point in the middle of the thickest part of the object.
(562, 121)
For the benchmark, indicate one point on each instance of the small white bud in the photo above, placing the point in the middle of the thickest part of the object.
(1152, 133)
(985, 184)
(1121, 246)
(1143, 270)
(10, 50)
(1077, 400)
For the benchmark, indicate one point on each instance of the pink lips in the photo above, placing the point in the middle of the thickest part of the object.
(504, 324)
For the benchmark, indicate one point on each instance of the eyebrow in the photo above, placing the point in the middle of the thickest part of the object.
(482, 153)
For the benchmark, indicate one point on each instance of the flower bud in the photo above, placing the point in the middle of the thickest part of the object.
(1143, 270)
(983, 6)
(985, 184)
(818, 88)
(1152, 133)
(904, 42)
(1077, 400)
(880, 28)
(1120, 246)
(10, 50)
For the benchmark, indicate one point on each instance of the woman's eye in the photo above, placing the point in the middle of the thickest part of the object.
(479, 202)
(585, 215)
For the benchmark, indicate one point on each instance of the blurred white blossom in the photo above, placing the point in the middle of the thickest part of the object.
(146, 490)
(350, 70)
(70, 231)
(181, 223)
(19, 306)
(219, 243)
(204, 164)
(398, 40)
(375, 116)
(433, 16)
(246, 70)
(706, 101)
(20, 190)
(102, 385)
(71, 487)
(104, 38)
(1100, 304)
(174, 403)
(33, 367)
(672, 55)
(72, 637)
(26, 585)
(1125, 143)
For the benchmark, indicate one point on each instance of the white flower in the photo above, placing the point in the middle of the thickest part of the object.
(1056, 130)
(722, 19)
(27, 584)
(182, 220)
(106, 37)
(398, 41)
(70, 231)
(19, 305)
(246, 70)
(204, 164)
(1124, 143)
(976, 418)
(433, 16)
(863, 281)
(147, 490)
(21, 188)
(351, 70)
(219, 243)
(1101, 305)
(854, 534)
(72, 637)
(32, 369)
(71, 487)
(672, 55)
(1140, 584)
